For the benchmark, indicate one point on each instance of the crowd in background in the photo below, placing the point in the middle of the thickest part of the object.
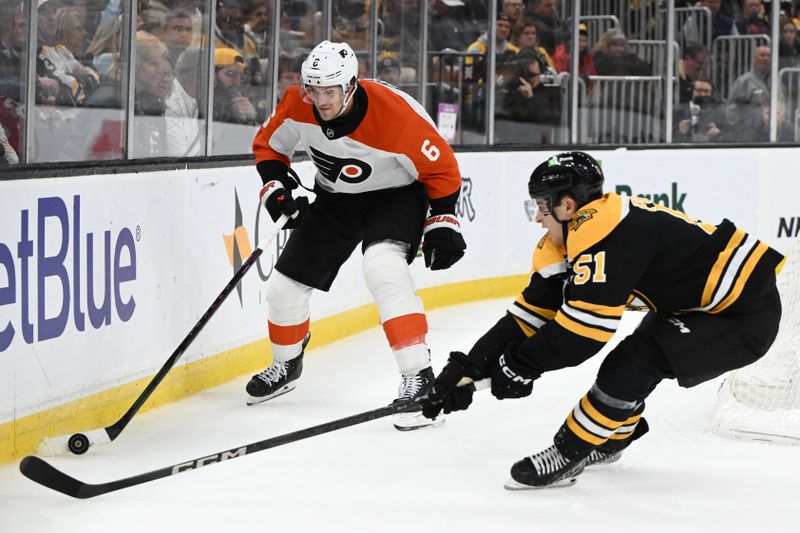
(82, 54)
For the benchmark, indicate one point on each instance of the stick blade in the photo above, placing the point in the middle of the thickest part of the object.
(45, 474)
(52, 446)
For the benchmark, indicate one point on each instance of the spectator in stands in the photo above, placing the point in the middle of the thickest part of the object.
(12, 40)
(562, 58)
(288, 73)
(513, 9)
(551, 29)
(80, 8)
(154, 80)
(184, 138)
(389, 70)
(309, 26)
(256, 13)
(229, 31)
(788, 53)
(504, 50)
(721, 23)
(105, 46)
(350, 24)
(177, 33)
(526, 95)
(400, 25)
(230, 105)
(475, 71)
(795, 15)
(691, 66)
(749, 93)
(702, 118)
(747, 10)
(449, 28)
(785, 132)
(46, 21)
(757, 25)
(60, 61)
(612, 57)
(526, 36)
(8, 156)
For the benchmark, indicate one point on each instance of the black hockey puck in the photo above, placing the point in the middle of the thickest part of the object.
(78, 444)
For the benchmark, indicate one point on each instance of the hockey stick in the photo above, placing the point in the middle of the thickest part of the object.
(79, 443)
(47, 475)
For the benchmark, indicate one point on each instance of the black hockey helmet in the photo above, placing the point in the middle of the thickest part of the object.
(575, 173)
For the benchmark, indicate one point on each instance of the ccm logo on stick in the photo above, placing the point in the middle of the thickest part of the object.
(210, 460)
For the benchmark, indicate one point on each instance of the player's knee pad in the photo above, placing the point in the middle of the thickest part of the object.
(287, 300)
(388, 279)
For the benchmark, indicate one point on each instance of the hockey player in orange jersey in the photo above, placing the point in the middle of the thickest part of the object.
(385, 177)
(710, 291)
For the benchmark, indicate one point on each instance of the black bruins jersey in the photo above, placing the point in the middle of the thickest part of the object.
(630, 252)
(541, 299)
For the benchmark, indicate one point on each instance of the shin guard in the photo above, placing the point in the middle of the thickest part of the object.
(596, 420)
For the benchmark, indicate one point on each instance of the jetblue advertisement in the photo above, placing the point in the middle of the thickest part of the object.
(101, 277)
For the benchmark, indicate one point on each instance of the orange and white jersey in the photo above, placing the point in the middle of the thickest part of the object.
(394, 143)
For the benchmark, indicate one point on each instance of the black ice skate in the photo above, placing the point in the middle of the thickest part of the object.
(600, 457)
(611, 450)
(278, 378)
(414, 387)
(546, 469)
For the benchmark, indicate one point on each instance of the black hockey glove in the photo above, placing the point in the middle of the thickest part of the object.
(446, 395)
(278, 200)
(443, 244)
(507, 380)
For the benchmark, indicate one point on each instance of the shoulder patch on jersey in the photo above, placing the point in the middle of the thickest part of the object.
(541, 242)
(594, 222)
(580, 217)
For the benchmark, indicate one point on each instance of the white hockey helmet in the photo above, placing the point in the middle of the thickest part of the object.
(330, 64)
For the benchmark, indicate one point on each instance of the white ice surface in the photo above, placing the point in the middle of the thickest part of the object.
(372, 478)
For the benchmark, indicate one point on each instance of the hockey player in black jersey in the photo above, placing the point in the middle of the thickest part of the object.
(710, 290)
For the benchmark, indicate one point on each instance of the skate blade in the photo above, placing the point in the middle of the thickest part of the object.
(512, 484)
(604, 462)
(414, 421)
(255, 400)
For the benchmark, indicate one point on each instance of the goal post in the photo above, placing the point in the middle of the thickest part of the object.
(762, 401)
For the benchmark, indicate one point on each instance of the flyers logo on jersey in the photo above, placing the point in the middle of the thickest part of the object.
(334, 168)
(580, 217)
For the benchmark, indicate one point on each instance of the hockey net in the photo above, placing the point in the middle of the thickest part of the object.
(762, 400)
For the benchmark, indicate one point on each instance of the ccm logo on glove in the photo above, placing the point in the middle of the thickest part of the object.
(510, 374)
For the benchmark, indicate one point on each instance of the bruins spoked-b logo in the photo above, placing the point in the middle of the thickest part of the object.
(334, 168)
(580, 217)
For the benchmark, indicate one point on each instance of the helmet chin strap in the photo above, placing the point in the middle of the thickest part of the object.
(347, 99)
(564, 223)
